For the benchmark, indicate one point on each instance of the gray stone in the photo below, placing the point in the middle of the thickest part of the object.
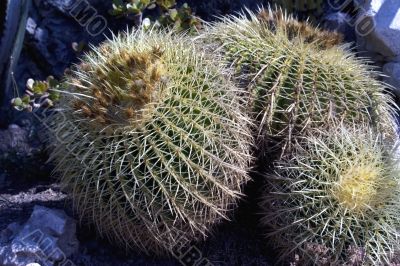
(61, 5)
(378, 27)
(358, 3)
(14, 139)
(9, 233)
(392, 71)
(31, 26)
(48, 238)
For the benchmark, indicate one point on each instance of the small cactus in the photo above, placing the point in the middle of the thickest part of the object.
(151, 141)
(300, 77)
(335, 200)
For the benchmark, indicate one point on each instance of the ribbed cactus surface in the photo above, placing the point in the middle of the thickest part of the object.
(152, 141)
(335, 200)
(300, 77)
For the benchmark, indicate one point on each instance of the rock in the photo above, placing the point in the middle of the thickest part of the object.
(378, 27)
(31, 26)
(9, 233)
(358, 3)
(342, 23)
(392, 70)
(62, 5)
(22, 152)
(14, 139)
(33, 264)
(48, 238)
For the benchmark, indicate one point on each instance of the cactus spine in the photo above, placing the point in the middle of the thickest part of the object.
(152, 141)
(335, 200)
(300, 77)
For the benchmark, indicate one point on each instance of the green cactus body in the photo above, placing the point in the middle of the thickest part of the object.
(299, 76)
(335, 200)
(152, 141)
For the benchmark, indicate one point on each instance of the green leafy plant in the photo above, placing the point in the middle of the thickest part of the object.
(335, 200)
(181, 18)
(38, 94)
(300, 76)
(152, 141)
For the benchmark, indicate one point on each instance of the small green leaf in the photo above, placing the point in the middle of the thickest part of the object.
(17, 102)
(165, 4)
(49, 103)
(53, 83)
(133, 8)
(54, 96)
(40, 87)
(26, 99)
(173, 13)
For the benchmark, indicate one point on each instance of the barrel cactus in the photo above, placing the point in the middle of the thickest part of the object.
(300, 77)
(151, 141)
(335, 200)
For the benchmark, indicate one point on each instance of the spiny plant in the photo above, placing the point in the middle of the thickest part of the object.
(151, 140)
(300, 77)
(335, 200)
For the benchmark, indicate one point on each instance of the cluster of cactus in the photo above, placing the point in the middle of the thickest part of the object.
(339, 192)
(154, 134)
(332, 197)
(152, 141)
(299, 77)
(181, 18)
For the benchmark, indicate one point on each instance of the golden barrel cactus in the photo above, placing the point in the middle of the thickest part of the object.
(300, 77)
(151, 141)
(335, 200)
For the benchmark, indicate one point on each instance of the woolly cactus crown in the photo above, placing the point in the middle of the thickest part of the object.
(300, 77)
(336, 196)
(152, 143)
